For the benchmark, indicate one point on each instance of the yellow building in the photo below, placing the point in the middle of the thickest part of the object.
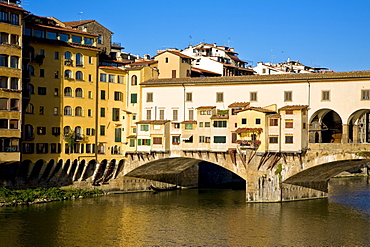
(173, 64)
(60, 118)
(10, 80)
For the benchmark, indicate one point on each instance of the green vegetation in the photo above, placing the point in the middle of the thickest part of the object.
(279, 170)
(27, 196)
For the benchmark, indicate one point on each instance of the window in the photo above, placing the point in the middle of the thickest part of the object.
(14, 39)
(175, 140)
(67, 111)
(89, 95)
(55, 148)
(41, 130)
(14, 83)
(31, 70)
(64, 37)
(173, 73)
(132, 142)
(68, 92)
(289, 112)
(202, 139)
(100, 39)
(102, 130)
(67, 55)
(148, 114)
(88, 41)
(161, 114)
(288, 124)
(102, 94)
(191, 115)
(14, 19)
(4, 60)
(4, 16)
(234, 137)
(166, 60)
(115, 114)
(78, 111)
(325, 95)
(220, 124)
(244, 121)
(365, 94)
(103, 77)
(144, 127)
(207, 124)
(4, 104)
(56, 111)
(28, 148)
(120, 79)
(143, 142)
(68, 74)
(41, 148)
(102, 112)
(201, 124)
(111, 78)
(41, 90)
(117, 96)
(14, 104)
(55, 131)
(79, 60)
(258, 121)
(157, 140)
(176, 125)
(288, 96)
(51, 35)
(189, 97)
(30, 108)
(274, 122)
(149, 97)
(188, 126)
(175, 115)
(79, 76)
(289, 139)
(4, 38)
(117, 134)
(90, 60)
(14, 61)
(273, 139)
(219, 139)
(3, 82)
(56, 74)
(253, 96)
(41, 110)
(90, 78)
(3, 123)
(79, 93)
(76, 39)
(219, 97)
(134, 80)
(133, 98)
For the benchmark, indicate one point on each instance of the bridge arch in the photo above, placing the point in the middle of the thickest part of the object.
(325, 126)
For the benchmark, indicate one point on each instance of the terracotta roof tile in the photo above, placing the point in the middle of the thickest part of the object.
(76, 23)
(239, 104)
(153, 122)
(293, 107)
(206, 107)
(189, 122)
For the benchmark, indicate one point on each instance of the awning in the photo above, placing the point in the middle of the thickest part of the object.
(186, 136)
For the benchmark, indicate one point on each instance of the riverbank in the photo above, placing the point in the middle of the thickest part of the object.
(42, 195)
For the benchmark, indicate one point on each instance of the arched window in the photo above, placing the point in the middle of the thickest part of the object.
(78, 111)
(68, 92)
(134, 80)
(101, 148)
(31, 89)
(79, 93)
(4, 105)
(3, 82)
(67, 55)
(79, 76)
(68, 74)
(28, 132)
(67, 111)
(79, 60)
(67, 129)
(31, 70)
(30, 108)
(78, 133)
(116, 149)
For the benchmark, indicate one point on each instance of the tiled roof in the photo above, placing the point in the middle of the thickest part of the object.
(77, 23)
(206, 107)
(143, 63)
(176, 53)
(153, 122)
(203, 71)
(12, 6)
(243, 130)
(293, 107)
(131, 136)
(262, 79)
(189, 122)
(277, 115)
(64, 29)
(111, 68)
(239, 104)
(260, 109)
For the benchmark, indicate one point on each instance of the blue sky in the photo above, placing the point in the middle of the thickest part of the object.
(326, 33)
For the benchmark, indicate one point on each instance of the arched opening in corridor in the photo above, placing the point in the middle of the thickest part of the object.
(325, 127)
(359, 127)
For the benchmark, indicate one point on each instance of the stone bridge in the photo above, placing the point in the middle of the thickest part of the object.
(268, 177)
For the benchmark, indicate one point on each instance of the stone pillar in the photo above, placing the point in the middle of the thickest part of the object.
(355, 133)
(344, 134)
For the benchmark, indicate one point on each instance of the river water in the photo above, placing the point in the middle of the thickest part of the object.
(194, 217)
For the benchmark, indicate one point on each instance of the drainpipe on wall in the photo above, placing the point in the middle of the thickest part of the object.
(97, 129)
(184, 98)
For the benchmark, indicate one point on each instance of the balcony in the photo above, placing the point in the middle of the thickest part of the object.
(249, 144)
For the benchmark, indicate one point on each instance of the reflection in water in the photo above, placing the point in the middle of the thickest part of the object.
(193, 218)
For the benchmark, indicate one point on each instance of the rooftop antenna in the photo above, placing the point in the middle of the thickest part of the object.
(228, 42)
(190, 40)
(80, 14)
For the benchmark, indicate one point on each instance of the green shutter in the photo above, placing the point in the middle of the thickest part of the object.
(148, 142)
(139, 142)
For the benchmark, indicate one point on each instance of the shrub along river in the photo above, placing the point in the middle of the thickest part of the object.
(194, 217)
